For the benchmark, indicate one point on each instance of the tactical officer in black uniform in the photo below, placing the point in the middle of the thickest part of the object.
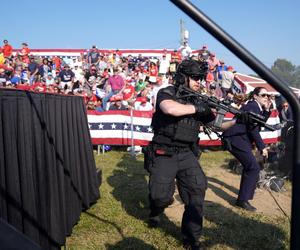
(172, 154)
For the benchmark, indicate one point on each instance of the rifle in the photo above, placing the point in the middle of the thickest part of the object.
(222, 107)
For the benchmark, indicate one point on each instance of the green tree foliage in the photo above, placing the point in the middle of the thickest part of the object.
(287, 71)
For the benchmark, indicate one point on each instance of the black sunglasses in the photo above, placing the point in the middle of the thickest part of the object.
(195, 78)
(264, 95)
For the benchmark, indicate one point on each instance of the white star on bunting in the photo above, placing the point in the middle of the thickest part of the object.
(113, 126)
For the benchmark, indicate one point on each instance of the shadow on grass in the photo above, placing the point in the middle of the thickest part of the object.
(129, 243)
(220, 192)
(240, 232)
(130, 187)
(107, 222)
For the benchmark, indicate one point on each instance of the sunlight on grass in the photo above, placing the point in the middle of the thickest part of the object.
(118, 219)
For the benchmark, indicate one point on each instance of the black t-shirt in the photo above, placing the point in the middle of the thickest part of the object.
(160, 119)
(88, 74)
(66, 75)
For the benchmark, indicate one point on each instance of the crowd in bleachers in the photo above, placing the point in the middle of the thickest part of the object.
(111, 81)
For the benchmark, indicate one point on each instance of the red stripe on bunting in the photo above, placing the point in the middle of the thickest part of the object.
(118, 141)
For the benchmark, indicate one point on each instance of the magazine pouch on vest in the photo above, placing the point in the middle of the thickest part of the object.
(186, 130)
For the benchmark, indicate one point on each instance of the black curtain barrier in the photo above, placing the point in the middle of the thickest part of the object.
(47, 168)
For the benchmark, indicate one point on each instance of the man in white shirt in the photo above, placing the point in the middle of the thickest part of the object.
(185, 50)
(164, 65)
(227, 80)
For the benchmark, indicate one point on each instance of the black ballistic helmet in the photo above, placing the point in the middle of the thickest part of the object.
(191, 68)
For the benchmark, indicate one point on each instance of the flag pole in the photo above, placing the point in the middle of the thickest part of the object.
(131, 128)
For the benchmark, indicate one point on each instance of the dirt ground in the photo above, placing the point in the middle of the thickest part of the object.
(223, 188)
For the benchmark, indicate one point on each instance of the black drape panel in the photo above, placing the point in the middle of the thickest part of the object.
(47, 169)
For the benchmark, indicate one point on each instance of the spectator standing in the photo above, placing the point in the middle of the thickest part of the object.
(222, 67)
(7, 49)
(33, 68)
(185, 50)
(44, 69)
(213, 62)
(175, 60)
(227, 80)
(25, 53)
(56, 63)
(203, 54)
(93, 56)
(153, 70)
(164, 65)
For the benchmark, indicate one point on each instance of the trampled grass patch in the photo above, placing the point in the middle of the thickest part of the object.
(118, 219)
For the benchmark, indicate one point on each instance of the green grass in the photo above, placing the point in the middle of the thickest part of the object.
(118, 219)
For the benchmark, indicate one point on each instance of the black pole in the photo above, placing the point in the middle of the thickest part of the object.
(199, 17)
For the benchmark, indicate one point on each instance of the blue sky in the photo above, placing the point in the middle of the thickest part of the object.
(267, 28)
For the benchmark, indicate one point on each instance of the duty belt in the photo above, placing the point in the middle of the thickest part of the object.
(169, 150)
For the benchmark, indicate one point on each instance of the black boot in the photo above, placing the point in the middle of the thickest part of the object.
(154, 221)
(195, 246)
(245, 205)
(191, 245)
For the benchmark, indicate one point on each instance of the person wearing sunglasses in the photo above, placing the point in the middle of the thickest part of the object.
(285, 114)
(241, 137)
(173, 153)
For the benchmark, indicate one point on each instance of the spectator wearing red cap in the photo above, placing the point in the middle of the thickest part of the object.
(7, 49)
(128, 93)
(117, 104)
(210, 79)
(227, 80)
(143, 104)
(25, 53)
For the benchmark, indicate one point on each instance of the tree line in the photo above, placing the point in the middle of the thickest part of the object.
(287, 71)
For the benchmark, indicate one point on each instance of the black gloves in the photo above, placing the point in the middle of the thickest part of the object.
(202, 109)
(243, 118)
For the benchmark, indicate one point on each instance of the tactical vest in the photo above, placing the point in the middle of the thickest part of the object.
(183, 129)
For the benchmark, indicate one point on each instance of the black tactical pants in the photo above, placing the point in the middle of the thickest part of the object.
(191, 182)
